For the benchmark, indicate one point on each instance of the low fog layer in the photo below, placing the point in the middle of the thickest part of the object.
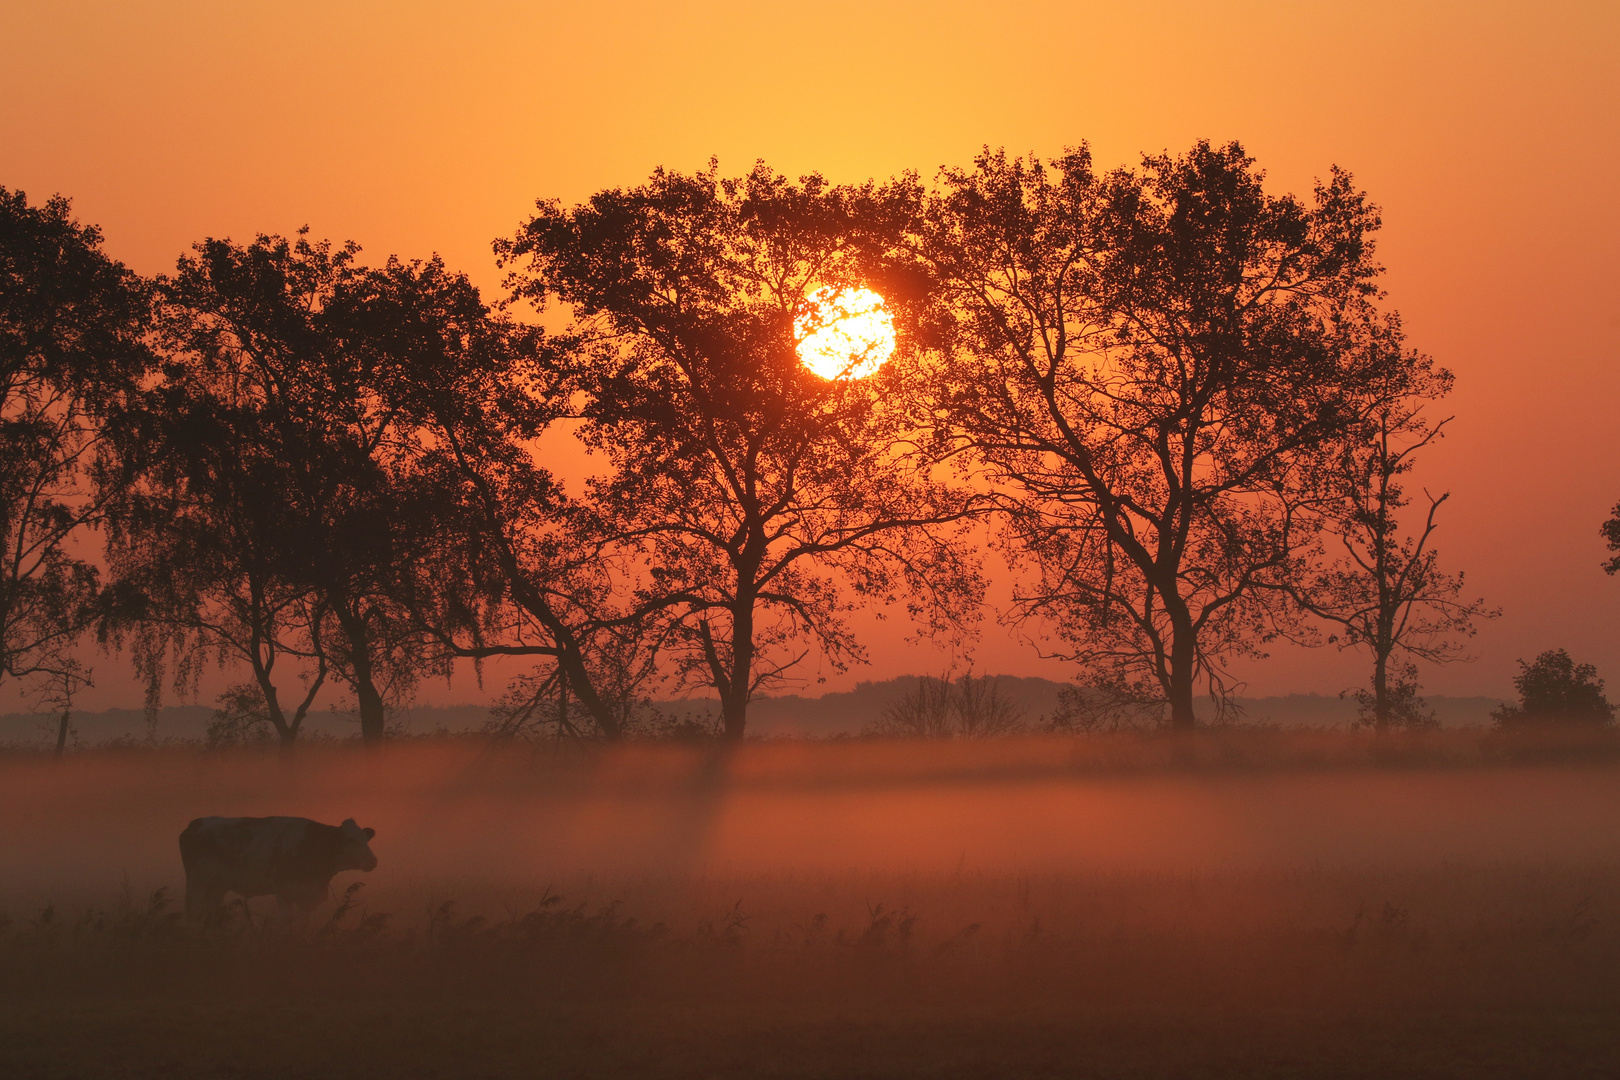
(457, 821)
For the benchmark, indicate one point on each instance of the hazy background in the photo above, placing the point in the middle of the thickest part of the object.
(1489, 132)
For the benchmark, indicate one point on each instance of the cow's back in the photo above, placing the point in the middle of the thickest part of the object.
(250, 856)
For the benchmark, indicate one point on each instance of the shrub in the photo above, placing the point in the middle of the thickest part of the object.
(973, 707)
(1554, 690)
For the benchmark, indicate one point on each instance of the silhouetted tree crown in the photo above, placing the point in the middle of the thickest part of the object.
(764, 502)
(498, 560)
(72, 355)
(1150, 364)
(268, 527)
(1379, 584)
(1554, 690)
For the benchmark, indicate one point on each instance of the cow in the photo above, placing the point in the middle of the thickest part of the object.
(293, 858)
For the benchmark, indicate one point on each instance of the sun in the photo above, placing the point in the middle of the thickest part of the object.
(844, 332)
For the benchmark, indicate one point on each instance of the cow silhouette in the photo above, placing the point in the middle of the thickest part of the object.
(292, 858)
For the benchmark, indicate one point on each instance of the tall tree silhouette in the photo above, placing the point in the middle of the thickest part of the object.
(205, 551)
(1148, 363)
(1382, 587)
(494, 558)
(762, 502)
(266, 528)
(71, 356)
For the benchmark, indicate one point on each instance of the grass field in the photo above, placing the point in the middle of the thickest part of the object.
(1259, 904)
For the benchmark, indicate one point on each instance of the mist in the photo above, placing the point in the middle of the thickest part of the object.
(458, 819)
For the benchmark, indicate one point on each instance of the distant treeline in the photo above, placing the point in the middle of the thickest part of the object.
(843, 713)
(1176, 404)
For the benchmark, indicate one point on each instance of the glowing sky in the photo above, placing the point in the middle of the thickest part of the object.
(1489, 133)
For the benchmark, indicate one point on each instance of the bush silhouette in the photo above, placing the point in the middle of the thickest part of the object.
(1556, 691)
(970, 707)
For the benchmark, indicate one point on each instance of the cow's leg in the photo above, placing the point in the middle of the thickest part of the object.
(296, 902)
(204, 899)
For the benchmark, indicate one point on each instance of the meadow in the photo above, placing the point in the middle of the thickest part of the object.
(1249, 903)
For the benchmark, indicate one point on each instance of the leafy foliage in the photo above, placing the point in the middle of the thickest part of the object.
(1556, 691)
(72, 353)
(755, 503)
(1611, 535)
(268, 526)
(1147, 365)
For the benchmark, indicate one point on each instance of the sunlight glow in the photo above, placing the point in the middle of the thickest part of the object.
(844, 333)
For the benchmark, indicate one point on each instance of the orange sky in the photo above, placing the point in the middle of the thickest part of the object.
(1489, 132)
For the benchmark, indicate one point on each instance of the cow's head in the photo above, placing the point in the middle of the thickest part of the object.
(356, 854)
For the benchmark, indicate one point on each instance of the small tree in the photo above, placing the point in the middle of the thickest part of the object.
(1381, 586)
(1554, 691)
(1108, 706)
(241, 717)
(984, 709)
(923, 712)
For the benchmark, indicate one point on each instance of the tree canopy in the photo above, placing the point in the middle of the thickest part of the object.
(1174, 401)
(269, 523)
(763, 502)
(1148, 364)
(72, 355)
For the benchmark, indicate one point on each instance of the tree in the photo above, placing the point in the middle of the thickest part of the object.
(266, 528)
(759, 503)
(497, 560)
(1385, 591)
(205, 551)
(72, 354)
(1147, 365)
(1554, 691)
(212, 548)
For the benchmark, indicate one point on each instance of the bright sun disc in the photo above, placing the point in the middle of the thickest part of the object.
(844, 333)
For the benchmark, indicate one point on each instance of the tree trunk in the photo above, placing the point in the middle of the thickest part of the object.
(373, 717)
(62, 732)
(734, 703)
(286, 744)
(272, 708)
(570, 653)
(1381, 692)
(572, 661)
(734, 713)
(1182, 657)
